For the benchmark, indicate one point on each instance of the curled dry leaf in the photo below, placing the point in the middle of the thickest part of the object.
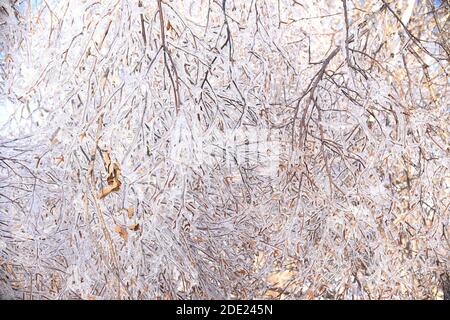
(114, 186)
(113, 177)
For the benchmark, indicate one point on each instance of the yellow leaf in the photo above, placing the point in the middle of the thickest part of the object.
(130, 212)
(107, 160)
(122, 232)
(280, 279)
(115, 186)
(271, 294)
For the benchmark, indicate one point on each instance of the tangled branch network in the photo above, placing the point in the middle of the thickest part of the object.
(223, 149)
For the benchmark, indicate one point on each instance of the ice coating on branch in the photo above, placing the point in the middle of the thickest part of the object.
(231, 149)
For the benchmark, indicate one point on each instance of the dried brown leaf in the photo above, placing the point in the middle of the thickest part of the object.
(280, 279)
(134, 227)
(113, 177)
(122, 232)
(130, 212)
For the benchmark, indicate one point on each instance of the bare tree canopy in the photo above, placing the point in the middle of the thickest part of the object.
(222, 149)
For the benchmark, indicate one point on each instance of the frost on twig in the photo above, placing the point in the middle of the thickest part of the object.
(224, 149)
